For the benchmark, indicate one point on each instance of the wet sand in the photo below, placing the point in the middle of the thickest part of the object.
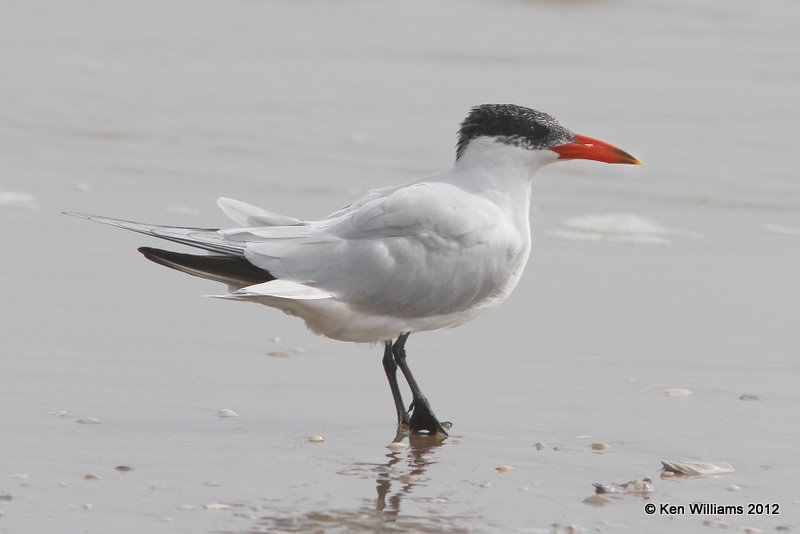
(657, 315)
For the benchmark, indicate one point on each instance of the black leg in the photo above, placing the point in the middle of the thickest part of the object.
(391, 373)
(422, 417)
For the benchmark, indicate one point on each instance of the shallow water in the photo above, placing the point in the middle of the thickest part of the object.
(151, 111)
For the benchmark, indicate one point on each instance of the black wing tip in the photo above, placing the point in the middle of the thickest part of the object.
(161, 256)
(149, 252)
(220, 268)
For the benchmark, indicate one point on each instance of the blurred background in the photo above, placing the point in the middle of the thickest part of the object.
(679, 273)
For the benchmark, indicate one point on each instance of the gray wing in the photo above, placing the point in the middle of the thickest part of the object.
(425, 249)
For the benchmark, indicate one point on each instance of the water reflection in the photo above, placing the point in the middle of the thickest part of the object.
(405, 470)
(417, 458)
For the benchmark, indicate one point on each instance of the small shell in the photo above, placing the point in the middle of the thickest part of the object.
(486, 485)
(124, 468)
(676, 393)
(599, 446)
(752, 397)
(211, 484)
(505, 468)
(216, 506)
(279, 354)
(226, 413)
(89, 421)
(715, 523)
(316, 439)
(539, 446)
(691, 468)
(397, 446)
(350, 472)
(92, 476)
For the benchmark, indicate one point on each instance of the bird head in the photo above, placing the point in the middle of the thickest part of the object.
(533, 131)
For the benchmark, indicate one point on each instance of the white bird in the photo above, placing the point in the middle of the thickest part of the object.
(429, 254)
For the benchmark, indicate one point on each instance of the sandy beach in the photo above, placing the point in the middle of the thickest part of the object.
(657, 318)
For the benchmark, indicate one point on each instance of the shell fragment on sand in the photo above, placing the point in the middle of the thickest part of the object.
(89, 421)
(644, 485)
(505, 468)
(696, 469)
(397, 446)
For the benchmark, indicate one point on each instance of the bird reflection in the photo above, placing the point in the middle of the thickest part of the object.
(417, 457)
(404, 470)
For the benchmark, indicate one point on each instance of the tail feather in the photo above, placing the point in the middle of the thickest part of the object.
(205, 238)
(232, 270)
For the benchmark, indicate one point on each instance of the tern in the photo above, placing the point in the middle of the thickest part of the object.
(429, 254)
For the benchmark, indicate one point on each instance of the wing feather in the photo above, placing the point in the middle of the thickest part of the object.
(204, 238)
(249, 215)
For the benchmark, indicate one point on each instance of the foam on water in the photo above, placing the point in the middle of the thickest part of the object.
(181, 209)
(781, 229)
(12, 199)
(618, 227)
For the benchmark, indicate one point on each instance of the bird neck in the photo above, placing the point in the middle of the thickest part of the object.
(501, 172)
(489, 156)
